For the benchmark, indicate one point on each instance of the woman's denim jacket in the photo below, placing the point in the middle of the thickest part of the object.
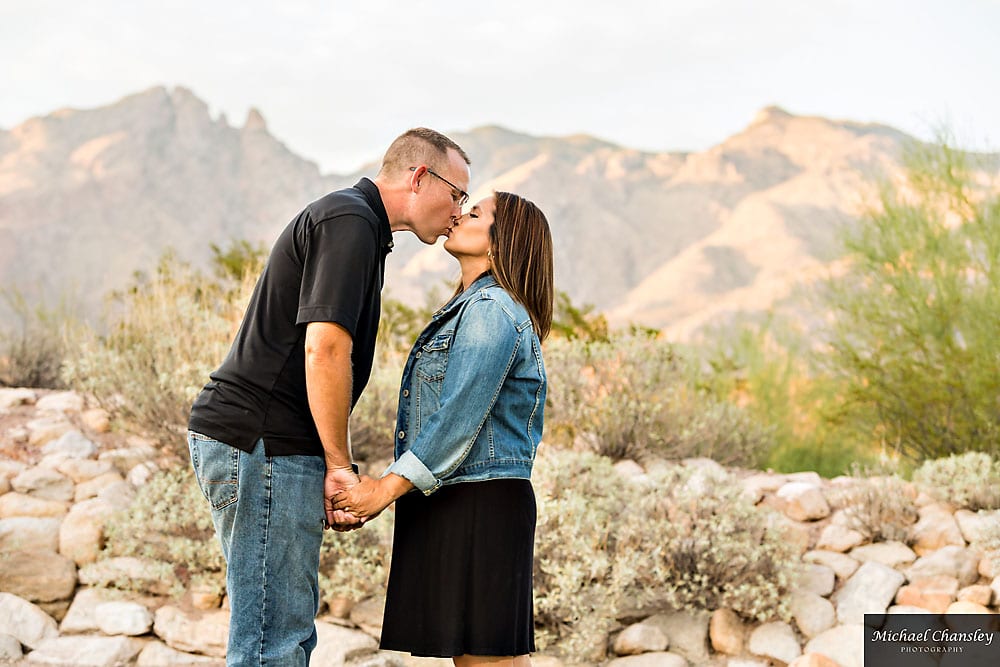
(472, 397)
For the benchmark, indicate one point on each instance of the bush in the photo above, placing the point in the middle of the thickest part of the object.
(968, 480)
(634, 397)
(170, 331)
(682, 539)
(355, 565)
(34, 343)
(882, 509)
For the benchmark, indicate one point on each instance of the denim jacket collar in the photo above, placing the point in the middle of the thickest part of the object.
(482, 282)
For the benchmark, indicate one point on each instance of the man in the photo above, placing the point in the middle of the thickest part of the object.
(268, 434)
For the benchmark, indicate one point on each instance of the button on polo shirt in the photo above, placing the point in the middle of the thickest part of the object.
(328, 265)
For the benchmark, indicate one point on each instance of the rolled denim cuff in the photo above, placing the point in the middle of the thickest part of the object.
(413, 469)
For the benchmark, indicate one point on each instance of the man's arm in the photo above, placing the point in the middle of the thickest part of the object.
(329, 387)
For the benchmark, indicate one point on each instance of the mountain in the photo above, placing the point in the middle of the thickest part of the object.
(670, 239)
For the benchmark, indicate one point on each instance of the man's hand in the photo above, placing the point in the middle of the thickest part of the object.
(365, 500)
(337, 481)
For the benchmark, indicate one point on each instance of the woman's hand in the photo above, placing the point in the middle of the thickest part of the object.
(369, 497)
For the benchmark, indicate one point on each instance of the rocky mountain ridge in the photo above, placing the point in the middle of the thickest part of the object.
(674, 240)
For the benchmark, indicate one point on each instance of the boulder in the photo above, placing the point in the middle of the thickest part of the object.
(123, 618)
(931, 593)
(85, 651)
(640, 638)
(963, 607)
(82, 614)
(71, 445)
(15, 504)
(140, 474)
(24, 621)
(803, 501)
(951, 561)
(14, 396)
(197, 632)
(836, 537)
(936, 528)
(29, 534)
(119, 495)
(842, 565)
(81, 536)
(60, 401)
(976, 527)
(337, 645)
(650, 660)
(870, 590)
(813, 614)
(47, 429)
(158, 654)
(844, 644)
(890, 554)
(96, 419)
(93, 487)
(126, 458)
(818, 579)
(10, 648)
(367, 615)
(813, 660)
(44, 483)
(775, 641)
(687, 633)
(727, 632)
(38, 576)
(981, 595)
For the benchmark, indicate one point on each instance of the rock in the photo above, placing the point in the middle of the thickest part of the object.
(81, 616)
(85, 651)
(981, 595)
(38, 576)
(842, 565)
(907, 609)
(813, 614)
(755, 486)
(995, 587)
(44, 483)
(687, 633)
(92, 488)
(123, 618)
(538, 660)
(839, 538)
(29, 534)
(24, 621)
(844, 644)
(55, 609)
(18, 504)
(96, 419)
(818, 579)
(119, 495)
(46, 429)
(11, 469)
(976, 527)
(803, 501)
(336, 645)
(649, 660)
(142, 473)
(870, 590)
(81, 536)
(18, 434)
(935, 529)
(199, 632)
(10, 398)
(776, 641)
(987, 567)
(62, 401)
(71, 445)
(205, 596)
(4, 485)
(10, 648)
(127, 458)
(805, 477)
(158, 654)
(952, 561)
(145, 575)
(629, 469)
(963, 607)
(795, 533)
(890, 554)
(727, 632)
(367, 615)
(813, 660)
(83, 470)
(640, 638)
(932, 593)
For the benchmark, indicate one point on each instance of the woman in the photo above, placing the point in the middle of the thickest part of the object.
(469, 422)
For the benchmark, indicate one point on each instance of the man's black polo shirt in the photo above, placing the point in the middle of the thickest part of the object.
(327, 266)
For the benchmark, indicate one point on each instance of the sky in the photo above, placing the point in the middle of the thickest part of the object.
(337, 81)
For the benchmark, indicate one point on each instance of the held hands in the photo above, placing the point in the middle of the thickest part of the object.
(364, 500)
(337, 480)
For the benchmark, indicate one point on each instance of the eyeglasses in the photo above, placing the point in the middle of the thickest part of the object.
(463, 196)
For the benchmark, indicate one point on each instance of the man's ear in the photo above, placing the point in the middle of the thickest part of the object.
(416, 173)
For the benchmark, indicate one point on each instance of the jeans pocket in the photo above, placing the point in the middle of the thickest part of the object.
(217, 469)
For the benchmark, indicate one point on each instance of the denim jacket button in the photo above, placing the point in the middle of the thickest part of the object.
(406, 392)
(418, 354)
(401, 435)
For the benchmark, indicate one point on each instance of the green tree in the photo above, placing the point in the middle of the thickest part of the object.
(916, 313)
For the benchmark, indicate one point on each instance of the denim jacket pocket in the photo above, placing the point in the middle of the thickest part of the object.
(217, 469)
(432, 358)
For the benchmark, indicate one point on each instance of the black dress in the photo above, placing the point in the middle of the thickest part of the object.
(460, 578)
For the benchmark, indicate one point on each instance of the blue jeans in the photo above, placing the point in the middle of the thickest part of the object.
(268, 515)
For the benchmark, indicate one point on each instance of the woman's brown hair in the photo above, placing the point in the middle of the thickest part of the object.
(522, 257)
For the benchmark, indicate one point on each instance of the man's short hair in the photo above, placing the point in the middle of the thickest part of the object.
(418, 146)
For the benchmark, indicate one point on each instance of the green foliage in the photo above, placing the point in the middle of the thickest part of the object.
(572, 321)
(170, 521)
(633, 396)
(34, 343)
(355, 565)
(169, 331)
(916, 314)
(970, 480)
(681, 539)
(238, 259)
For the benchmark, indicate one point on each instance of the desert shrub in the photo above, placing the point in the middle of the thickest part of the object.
(680, 539)
(373, 420)
(969, 480)
(33, 343)
(882, 508)
(168, 332)
(169, 521)
(634, 397)
(355, 565)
